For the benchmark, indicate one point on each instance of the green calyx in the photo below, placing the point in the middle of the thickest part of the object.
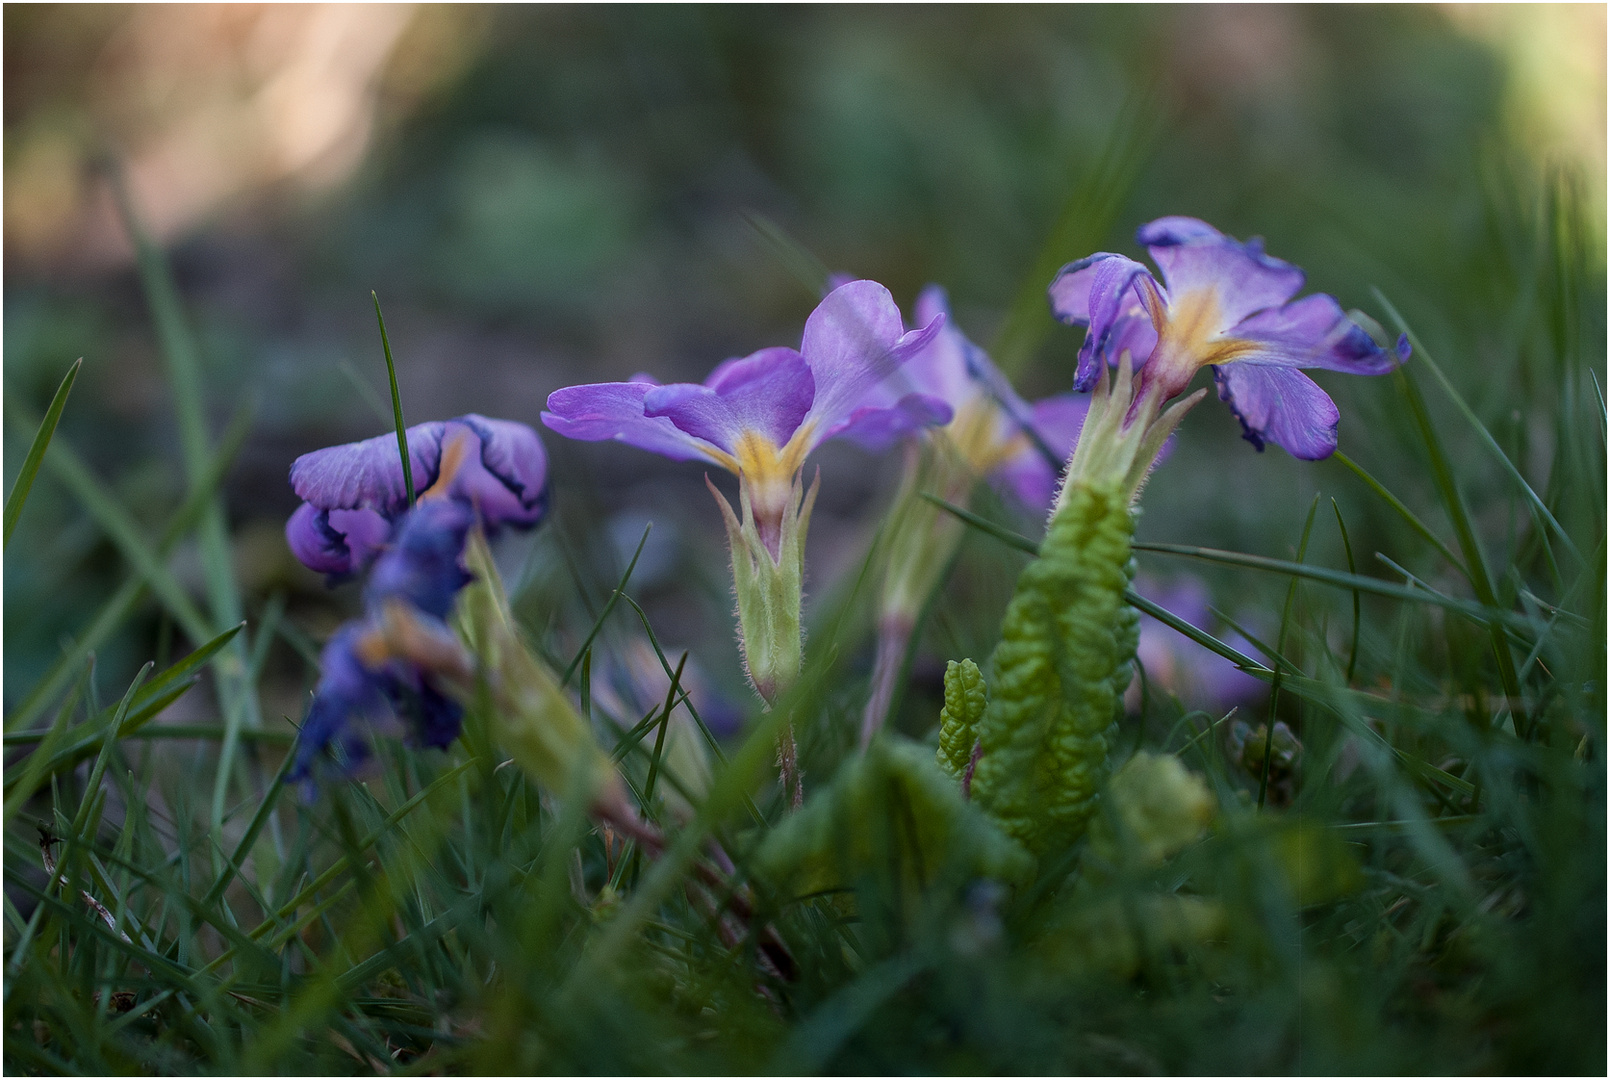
(769, 587)
(1123, 435)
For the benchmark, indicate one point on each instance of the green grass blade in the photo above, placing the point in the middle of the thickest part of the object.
(800, 261)
(1087, 215)
(1201, 637)
(1352, 568)
(1403, 511)
(1482, 433)
(598, 623)
(396, 404)
(1280, 646)
(36, 452)
(984, 525)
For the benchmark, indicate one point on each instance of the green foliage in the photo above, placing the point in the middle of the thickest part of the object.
(1058, 675)
(889, 811)
(965, 699)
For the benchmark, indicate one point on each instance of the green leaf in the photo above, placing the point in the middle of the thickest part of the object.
(36, 452)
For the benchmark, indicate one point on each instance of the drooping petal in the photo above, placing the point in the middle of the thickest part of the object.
(1280, 405)
(368, 474)
(336, 542)
(1101, 291)
(877, 428)
(600, 411)
(422, 565)
(348, 695)
(1029, 473)
(507, 481)
(1198, 259)
(1313, 332)
(767, 393)
(854, 340)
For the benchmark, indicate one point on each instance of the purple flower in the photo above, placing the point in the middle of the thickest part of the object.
(1019, 446)
(384, 668)
(1226, 305)
(759, 416)
(388, 664)
(355, 492)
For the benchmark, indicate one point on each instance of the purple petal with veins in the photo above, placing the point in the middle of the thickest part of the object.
(1195, 256)
(600, 411)
(1280, 405)
(767, 393)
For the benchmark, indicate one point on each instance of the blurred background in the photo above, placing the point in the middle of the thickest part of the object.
(544, 196)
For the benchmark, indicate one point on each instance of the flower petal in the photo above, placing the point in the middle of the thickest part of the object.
(766, 393)
(508, 480)
(336, 542)
(1194, 256)
(945, 367)
(347, 694)
(1313, 332)
(600, 411)
(877, 428)
(1101, 290)
(421, 566)
(368, 474)
(1281, 405)
(852, 341)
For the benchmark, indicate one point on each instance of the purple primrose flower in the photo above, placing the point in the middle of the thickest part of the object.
(1225, 305)
(354, 493)
(759, 416)
(381, 672)
(1021, 447)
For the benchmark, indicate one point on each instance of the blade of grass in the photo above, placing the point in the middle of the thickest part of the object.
(609, 606)
(121, 605)
(1482, 433)
(1459, 515)
(36, 451)
(1201, 637)
(396, 404)
(1083, 222)
(1347, 547)
(1280, 645)
(800, 262)
(1403, 511)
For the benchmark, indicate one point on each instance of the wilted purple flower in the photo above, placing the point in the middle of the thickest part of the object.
(384, 669)
(759, 416)
(1017, 445)
(1226, 305)
(355, 492)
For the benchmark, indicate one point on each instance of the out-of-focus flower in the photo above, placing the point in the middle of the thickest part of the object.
(1225, 305)
(354, 493)
(1199, 677)
(1019, 446)
(386, 671)
(994, 434)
